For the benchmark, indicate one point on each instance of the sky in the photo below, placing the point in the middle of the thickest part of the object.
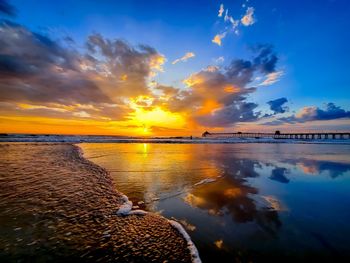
(173, 68)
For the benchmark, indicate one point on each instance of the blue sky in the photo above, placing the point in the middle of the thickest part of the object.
(310, 39)
(311, 36)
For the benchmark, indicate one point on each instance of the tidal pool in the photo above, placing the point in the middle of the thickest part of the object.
(241, 202)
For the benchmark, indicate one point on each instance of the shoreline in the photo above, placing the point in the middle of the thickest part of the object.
(126, 209)
(97, 139)
(90, 218)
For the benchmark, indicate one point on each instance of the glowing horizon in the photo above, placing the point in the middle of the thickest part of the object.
(166, 73)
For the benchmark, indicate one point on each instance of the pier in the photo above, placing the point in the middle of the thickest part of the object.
(280, 135)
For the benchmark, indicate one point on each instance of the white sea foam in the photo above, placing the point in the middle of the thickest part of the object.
(205, 181)
(138, 212)
(193, 250)
(126, 207)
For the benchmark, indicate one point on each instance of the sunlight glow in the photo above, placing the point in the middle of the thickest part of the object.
(209, 106)
(156, 117)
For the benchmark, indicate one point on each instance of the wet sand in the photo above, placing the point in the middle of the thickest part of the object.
(57, 206)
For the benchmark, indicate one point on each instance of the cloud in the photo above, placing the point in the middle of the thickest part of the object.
(120, 58)
(184, 58)
(272, 78)
(235, 24)
(7, 9)
(217, 38)
(111, 80)
(46, 74)
(313, 113)
(238, 111)
(230, 19)
(82, 114)
(226, 17)
(218, 96)
(35, 68)
(266, 59)
(221, 10)
(55, 110)
(277, 105)
(248, 18)
(219, 60)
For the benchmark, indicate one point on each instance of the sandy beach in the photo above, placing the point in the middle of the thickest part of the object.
(56, 205)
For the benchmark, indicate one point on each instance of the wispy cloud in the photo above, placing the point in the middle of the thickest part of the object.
(217, 39)
(272, 78)
(221, 10)
(226, 17)
(184, 58)
(248, 18)
(219, 60)
(234, 23)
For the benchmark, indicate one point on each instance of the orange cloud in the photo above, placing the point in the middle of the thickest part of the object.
(221, 10)
(184, 58)
(156, 64)
(217, 38)
(209, 106)
(192, 80)
(231, 89)
(248, 18)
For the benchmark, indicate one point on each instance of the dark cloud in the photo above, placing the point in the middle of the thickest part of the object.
(239, 111)
(7, 9)
(306, 114)
(266, 59)
(34, 68)
(277, 105)
(240, 72)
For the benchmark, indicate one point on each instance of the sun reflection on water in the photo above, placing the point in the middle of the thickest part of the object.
(145, 149)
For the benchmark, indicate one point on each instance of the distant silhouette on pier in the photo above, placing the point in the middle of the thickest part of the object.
(280, 135)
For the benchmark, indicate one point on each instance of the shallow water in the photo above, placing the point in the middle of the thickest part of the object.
(242, 202)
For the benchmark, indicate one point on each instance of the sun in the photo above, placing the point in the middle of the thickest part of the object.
(150, 118)
(145, 130)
